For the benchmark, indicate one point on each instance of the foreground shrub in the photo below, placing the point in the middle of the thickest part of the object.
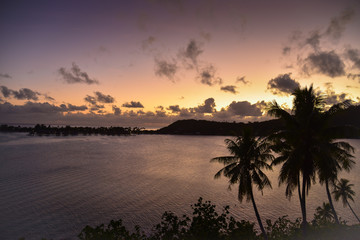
(114, 231)
(207, 224)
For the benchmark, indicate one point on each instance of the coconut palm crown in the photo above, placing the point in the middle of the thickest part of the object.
(249, 156)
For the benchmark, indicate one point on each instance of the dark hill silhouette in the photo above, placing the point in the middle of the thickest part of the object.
(203, 127)
(350, 116)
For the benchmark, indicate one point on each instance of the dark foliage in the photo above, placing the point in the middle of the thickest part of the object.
(205, 224)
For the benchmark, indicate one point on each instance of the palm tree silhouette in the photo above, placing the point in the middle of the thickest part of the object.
(332, 156)
(324, 213)
(244, 167)
(295, 143)
(308, 145)
(343, 190)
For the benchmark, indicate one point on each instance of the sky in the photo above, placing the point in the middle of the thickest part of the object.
(148, 63)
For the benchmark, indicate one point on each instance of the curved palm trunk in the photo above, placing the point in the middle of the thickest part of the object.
(299, 191)
(330, 202)
(258, 216)
(303, 206)
(353, 211)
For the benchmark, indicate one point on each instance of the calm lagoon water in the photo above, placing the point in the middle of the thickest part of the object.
(54, 186)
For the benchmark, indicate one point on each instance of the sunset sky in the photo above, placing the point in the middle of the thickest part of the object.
(148, 63)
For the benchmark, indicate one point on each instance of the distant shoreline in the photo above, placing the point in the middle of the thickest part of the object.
(350, 116)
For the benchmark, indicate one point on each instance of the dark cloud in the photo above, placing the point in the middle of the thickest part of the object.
(338, 24)
(191, 53)
(71, 107)
(5, 91)
(229, 88)
(244, 108)
(224, 114)
(5, 75)
(242, 80)
(150, 114)
(133, 104)
(100, 97)
(207, 107)
(90, 99)
(354, 76)
(140, 112)
(207, 76)
(283, 84)
(349, 86)
(331, 97)
(48, 98)
(314, 40)
(335, 98)
(75, 75)
(160, 113)
(165, 69)
(22, 94)
(262, 105)
(354, 56)
(286, 50)
(31, 107)
(185, 113)
(326, 63)
(26, 94)
(174, 108)
(334, 30)
(116, 110)
(96, 107)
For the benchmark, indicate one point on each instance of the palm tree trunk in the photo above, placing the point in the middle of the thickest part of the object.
(299, 191)
(257, 215)
(303, 206)
(330, 201)
(353, 211)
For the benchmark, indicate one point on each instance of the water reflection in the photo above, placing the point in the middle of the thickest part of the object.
(53, 186)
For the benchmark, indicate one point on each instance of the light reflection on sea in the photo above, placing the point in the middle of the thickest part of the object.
(54, 186)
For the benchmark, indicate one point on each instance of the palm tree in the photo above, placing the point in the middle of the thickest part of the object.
(343, 190)
(332, 157)
(244, 167)
(295, 143)
(324, 213)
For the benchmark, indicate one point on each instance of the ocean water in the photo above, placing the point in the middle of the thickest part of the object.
(52, 187)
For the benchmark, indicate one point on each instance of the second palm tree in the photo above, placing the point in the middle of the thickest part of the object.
(250, 155)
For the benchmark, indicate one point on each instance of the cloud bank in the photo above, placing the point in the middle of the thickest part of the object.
(21, 94)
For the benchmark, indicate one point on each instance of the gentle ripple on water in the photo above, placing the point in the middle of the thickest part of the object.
(54, 186)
